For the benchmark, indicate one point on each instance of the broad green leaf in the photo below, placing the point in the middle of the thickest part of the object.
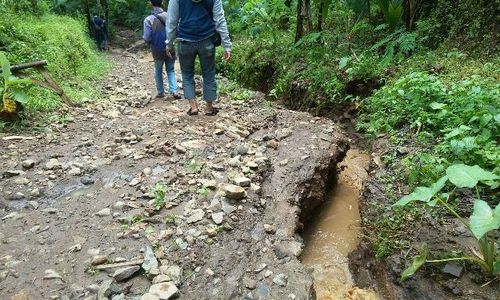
(417, 262)
(388, 55)
(19, 96)
(484, 219)
(423, 194)
(437, 105)
(343, 62)
(485, 119)
(4, 63)
(464, 176)
(457, 131)
(496, 268)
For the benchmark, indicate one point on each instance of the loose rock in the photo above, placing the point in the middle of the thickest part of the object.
(125, 273)
(150, 264)
(242, 181)
(234, 192)
(104, 212)
(196, 216)
(164, 290)
(52, 164)
(218, 218)
(28, 164)
(51, 274)
(280, 279)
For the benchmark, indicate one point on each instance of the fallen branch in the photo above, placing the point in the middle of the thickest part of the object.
(33, 64)
(17, 138)
(134, 262)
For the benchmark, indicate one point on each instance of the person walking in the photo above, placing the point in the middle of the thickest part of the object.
(197, 25)
(155, 36)
(100, 31)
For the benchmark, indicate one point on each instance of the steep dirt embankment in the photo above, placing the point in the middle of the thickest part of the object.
(82, 216)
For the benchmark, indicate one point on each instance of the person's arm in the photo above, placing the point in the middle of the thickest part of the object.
(148, 31)
(221, 25)
(172, 22)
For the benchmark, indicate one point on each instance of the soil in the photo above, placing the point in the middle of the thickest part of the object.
(85, 191)
(80, 194)
(333, 232)
(444, 235)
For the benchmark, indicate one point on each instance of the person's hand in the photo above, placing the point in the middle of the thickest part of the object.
(227, 55)
(169, 52)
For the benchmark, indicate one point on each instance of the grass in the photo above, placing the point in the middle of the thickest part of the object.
(72, 58)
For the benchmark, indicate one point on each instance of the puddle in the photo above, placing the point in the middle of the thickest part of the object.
(335, 232)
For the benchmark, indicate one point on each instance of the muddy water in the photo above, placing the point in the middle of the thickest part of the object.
(334, 233)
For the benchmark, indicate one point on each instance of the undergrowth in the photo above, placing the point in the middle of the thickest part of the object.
(72, 58)
(432, 91)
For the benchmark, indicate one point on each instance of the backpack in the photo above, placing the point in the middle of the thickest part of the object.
(98, 23)
(159, 35)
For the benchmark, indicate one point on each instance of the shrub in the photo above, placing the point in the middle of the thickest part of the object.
(462, 118)
(64, 43)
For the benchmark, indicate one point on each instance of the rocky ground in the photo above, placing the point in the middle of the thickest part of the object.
(130, 198)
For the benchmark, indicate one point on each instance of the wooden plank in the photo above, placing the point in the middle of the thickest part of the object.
(33, 64)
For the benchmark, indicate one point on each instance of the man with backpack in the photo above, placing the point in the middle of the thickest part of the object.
(100, 30)
(199, 26)
(155, 36)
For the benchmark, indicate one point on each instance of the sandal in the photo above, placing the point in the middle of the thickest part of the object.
(190, 112)
(213, 112)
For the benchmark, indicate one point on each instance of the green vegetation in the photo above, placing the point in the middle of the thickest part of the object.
(483, 220)
(171, 218)
(421, 74)
(127, 13)
(458, 121)
(12, 89)
(203, 191)
(194, 166)
(61, 40)
(159, 192)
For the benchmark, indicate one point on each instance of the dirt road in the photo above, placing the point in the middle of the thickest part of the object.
(130, 198)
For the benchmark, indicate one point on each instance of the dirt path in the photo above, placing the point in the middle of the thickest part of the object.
(220, 224)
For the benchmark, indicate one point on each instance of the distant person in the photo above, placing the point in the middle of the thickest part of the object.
(155, 35)
(100, 32)
(197, 25)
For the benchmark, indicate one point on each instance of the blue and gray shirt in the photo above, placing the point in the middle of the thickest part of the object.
(190, 21)
(154, 32)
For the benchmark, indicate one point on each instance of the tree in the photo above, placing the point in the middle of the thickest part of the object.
(319, 26)
(299, 31)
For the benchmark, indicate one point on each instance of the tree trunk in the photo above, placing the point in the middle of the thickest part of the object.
(308, 15)
(410, 13)
(319, 26)
(106, 14)
(299, 31)
(368, 9)
(86, 7)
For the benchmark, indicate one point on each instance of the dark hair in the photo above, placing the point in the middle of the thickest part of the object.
(156, 2)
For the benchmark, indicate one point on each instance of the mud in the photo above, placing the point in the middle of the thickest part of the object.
(443, 236)
(334, 232)
(99, 198)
